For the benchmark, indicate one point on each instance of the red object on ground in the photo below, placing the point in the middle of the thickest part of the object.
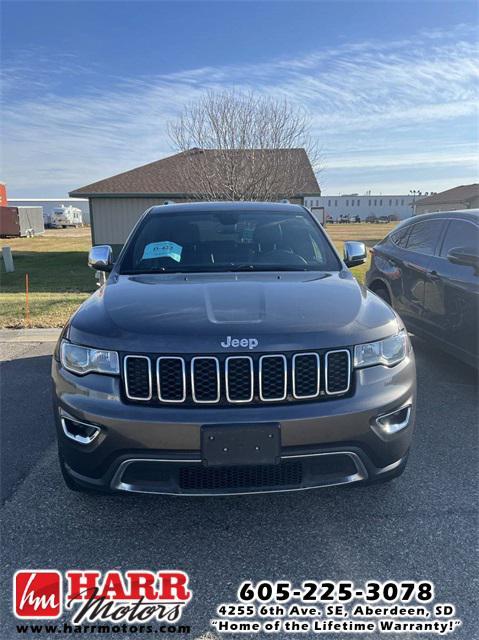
(3, 195)
(27, 301)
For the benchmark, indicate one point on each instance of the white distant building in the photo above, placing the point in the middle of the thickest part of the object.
(49, 204)
(363, 206)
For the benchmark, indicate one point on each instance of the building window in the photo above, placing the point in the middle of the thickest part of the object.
(317, 203)
(380, 203)
(402, 203)
(347, 203)
(358, 203)
(390, 203)
(352, 203)
(329, 203)
(397, 202)
(375, 203)
(369, 203)
(335, 203)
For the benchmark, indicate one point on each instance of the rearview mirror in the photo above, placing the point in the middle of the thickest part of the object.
(100, 258)
(464, 255)
(354, 253)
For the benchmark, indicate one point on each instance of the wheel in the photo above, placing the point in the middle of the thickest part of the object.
(383, 293)
(72, 484)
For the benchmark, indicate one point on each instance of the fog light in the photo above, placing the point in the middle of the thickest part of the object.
(78, 431)
(390, 423)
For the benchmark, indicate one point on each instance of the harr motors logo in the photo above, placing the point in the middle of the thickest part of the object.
(115, 596)
(37, 594)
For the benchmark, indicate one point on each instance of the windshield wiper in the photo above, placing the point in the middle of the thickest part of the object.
(255, 267)
(146, 272)
(241, 267)
(222, 269)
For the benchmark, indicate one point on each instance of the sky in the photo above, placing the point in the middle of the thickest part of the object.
(390, 88)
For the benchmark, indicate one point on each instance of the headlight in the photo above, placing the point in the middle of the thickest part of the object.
(83, 360)
(389, 351)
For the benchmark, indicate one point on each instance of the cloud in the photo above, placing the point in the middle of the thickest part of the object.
(413, 97)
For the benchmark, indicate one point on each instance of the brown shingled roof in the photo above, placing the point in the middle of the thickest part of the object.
(461, 194)
(166, 177)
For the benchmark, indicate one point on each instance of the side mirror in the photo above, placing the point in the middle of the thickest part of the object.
(467, 256)
(354, 253)
(100, 258)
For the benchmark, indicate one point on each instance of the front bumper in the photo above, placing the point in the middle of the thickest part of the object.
(188, 476)
(150, 449)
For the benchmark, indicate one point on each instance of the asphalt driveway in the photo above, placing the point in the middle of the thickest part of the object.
(422, 526)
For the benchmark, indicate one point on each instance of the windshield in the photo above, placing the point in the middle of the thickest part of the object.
(205, 241)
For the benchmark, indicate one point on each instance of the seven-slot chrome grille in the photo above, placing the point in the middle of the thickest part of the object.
(237, 379)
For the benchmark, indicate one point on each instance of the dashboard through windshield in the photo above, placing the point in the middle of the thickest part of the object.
(216, 241)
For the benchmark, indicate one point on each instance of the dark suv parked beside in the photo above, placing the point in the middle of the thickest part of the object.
(231, 351)
(428, 270)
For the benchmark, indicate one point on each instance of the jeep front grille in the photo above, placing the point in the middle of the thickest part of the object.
(171, 379)
(138, 376)
(241, 379)
(205, 379)
(338, 372)
(273, 378)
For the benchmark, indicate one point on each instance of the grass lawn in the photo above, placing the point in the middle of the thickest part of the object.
(370, 234)
(59, 278)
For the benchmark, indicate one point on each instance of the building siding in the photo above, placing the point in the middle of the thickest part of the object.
(432, 208)
(114, 218)
(448, 206)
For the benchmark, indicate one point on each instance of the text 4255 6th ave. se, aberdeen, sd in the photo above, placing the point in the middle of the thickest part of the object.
(329, 606)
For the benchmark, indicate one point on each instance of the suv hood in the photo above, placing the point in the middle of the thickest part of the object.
(179, 313)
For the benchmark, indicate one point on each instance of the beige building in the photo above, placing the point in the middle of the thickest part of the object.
(116, 203)
(463, 197)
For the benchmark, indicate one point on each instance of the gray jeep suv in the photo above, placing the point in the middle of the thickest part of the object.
(231, 351)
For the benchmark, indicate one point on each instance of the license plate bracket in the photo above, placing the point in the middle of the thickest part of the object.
(241, 444)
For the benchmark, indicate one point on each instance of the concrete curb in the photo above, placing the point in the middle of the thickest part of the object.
(29, 335)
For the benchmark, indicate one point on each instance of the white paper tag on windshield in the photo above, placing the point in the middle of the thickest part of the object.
(165, 249)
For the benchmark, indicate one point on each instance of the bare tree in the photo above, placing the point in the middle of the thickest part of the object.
(240, 146)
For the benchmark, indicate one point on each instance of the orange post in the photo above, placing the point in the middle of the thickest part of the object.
(27, 304)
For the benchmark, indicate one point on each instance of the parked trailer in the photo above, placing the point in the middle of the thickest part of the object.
(66, 217)
(21, 221)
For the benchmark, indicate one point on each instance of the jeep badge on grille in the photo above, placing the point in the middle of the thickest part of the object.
(251, 343)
